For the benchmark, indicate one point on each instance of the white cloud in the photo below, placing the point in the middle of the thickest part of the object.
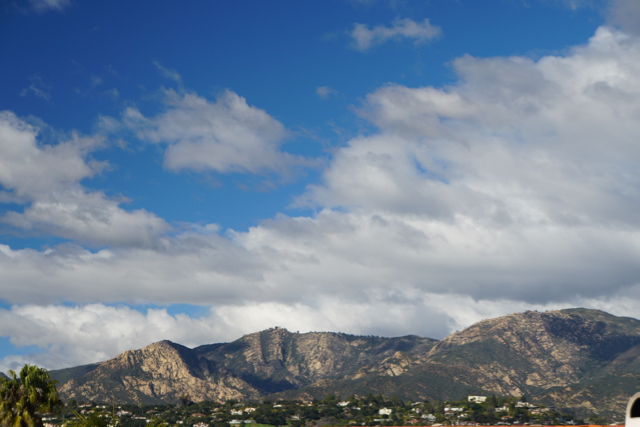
(168, 72)
(365, 38)
(625, 14)
(226, 136)
(94, 332)
(515, 188)
(37, 88)
(47, 5)
(47, 179)
(324, 92)
(30, 170)
(89, 217)
(518, 182)
(193, 267)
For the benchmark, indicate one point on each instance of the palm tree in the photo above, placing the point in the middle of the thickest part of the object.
(24, 398)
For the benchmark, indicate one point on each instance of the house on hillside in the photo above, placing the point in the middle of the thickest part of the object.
(429, 417)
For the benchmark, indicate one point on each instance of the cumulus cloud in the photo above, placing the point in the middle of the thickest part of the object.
(94, 332)
(46, 178)
(30, 170)
(625, 14)
(365, 38)
(89, 217)
(190, 267)
(226, 136)
(520, 180)
(515, 188)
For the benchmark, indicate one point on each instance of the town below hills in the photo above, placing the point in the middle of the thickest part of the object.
(582, 363)
(372, 410)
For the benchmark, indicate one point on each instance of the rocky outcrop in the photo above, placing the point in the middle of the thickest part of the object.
(160, 372)
(276, 359)
(560, 356)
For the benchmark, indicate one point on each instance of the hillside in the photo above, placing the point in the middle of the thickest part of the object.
(276, 359)
(585, 359)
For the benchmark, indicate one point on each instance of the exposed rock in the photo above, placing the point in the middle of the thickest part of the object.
(160, 372)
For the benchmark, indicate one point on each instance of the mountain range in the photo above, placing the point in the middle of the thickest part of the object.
(584, 360)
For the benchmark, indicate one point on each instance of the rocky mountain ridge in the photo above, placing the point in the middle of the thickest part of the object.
(586, 359)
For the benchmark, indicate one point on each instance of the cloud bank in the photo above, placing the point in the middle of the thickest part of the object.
(517, 187)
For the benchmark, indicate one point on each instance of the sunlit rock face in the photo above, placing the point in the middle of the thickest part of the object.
(160, 372)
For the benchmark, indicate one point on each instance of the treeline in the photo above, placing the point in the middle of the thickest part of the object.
(337, 411)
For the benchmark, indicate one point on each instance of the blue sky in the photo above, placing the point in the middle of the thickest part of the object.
(196, 171)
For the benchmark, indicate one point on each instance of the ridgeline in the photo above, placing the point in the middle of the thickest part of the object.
(586, 361)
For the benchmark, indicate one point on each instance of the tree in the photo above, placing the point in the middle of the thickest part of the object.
(93, 420)
(185, 399)
(272, 418)
(597, 420)
(157, 422)
(24, 398)
(493, 401)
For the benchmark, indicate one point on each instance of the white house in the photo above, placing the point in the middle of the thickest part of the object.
(477, 399)
(385, 411)
(524, 405)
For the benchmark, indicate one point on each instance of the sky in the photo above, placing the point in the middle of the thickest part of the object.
(196, 171)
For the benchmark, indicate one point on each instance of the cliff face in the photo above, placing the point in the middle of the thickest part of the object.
(276, 359)
(562, 356)
(582, 358)
(160, 372)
